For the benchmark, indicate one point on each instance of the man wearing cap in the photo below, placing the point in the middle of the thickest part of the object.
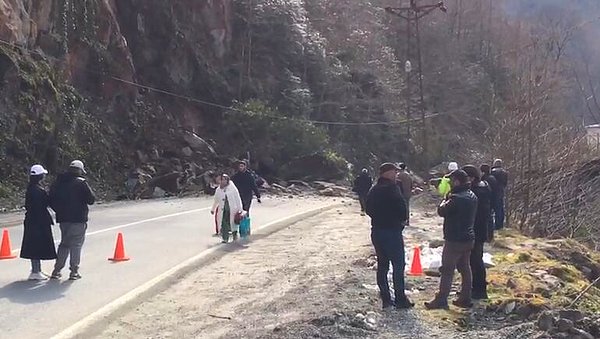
(501, 176)
(458, 210)
(387, 209)
(244, 181)
(483, 192)
(70, 196)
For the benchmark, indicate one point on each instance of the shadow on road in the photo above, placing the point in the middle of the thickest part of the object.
(32, 292)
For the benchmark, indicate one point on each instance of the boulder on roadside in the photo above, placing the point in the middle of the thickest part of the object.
(573, 315)
(564, 325)
(187, 151)
(197, 143)
(168, 182)
(545, 321)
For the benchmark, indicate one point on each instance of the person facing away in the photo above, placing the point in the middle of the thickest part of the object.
(362, 185)
(486, 176)
(483, 192)
(444, 187)
(245, 183)
(227, 203)
(407, 185)
(70, 196)
(501, 176)
(38, 242)
(458, 210)
(387, 208)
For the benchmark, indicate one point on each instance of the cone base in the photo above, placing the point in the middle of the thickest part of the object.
(8, 257)
(118, 259)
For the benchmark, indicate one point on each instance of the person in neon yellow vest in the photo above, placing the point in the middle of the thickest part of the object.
(444, 187)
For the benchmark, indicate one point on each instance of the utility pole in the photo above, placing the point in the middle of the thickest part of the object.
(412, 14)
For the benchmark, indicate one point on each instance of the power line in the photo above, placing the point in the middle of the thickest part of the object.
(228, 108)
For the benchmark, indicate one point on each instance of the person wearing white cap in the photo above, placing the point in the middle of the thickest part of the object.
(38, 242)
(70, 196)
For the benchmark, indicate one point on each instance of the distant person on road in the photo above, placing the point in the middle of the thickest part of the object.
(458, 210)
(246, 184)
(362, 185)
(70, 196)
(483, 192)
(486, 176)
(445, 187)
(38, 242)
(501, 176)
(407, 186)
(226, 205)
(387, 208)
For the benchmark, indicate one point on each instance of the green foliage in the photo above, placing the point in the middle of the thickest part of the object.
(256, 127)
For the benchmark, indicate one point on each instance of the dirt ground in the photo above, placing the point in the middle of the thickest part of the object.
(313, 279)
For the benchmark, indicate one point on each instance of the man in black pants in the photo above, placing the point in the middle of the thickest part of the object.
(387, 209)
(246, 185)
(483, 193)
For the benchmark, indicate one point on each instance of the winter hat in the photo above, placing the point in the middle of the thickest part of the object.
(37, 170)
(78, 164)
(453, 166)
(472, 171)
(388, 166)
(460, 175)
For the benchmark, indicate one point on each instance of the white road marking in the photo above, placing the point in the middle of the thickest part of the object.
(135, 223)
(77, 330)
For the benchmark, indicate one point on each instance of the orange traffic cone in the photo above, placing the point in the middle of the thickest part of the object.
(5, 251)
(119, 250)
(416, 268)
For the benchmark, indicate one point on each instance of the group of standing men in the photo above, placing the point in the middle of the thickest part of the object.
(472, 208)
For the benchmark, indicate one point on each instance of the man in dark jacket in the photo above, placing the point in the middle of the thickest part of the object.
(483, 193)
(458, 210)
(387, 209)
(245, 183)
(486, 176)
(70, 196)
(501, 176)
(362, 185)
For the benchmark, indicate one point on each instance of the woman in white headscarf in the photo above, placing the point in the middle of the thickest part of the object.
(226, 205)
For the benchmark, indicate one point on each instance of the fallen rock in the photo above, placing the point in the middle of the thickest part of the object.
(198, 143)
(545, 321)
(168, 182)
(511, 283)
(436, 243)
(573, 315)
(510, 307)
(158, 193)
(187, 151)
(564, 325)
(580, 334)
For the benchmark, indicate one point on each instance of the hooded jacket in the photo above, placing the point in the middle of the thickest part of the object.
(70, 196)
(459, 211)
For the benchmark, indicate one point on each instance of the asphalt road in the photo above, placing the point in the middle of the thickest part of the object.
(158, 235)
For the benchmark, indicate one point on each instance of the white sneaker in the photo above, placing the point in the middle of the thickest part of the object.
(37, 277)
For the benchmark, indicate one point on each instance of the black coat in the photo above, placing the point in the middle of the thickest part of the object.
(38, 242)
(246, 184)
(386, 205)
(70, 196)
(502, 178)
(362, 184)
(491, 180)
(459, 211)
(483, 192)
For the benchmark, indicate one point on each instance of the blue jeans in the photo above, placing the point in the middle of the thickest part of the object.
(389, 247)
(499, 213)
